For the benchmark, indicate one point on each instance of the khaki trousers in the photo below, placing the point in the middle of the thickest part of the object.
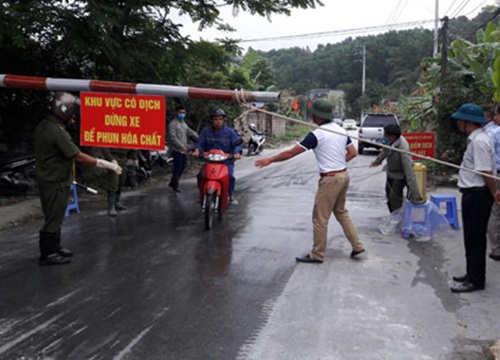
(331, 197)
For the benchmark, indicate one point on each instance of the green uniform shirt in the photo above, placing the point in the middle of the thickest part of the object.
(399, 165)
(54, 152)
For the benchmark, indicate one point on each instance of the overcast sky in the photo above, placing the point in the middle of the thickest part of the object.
(338, 19)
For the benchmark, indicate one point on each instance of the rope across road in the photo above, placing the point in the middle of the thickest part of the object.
(240, 96)
(251, 108)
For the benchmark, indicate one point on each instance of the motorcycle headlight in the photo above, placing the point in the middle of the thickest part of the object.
(216, 157)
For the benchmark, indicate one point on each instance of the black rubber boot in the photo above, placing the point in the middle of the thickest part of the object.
(118, 205)
(48, 250)
(64, 252)
(174, 184)
(111, 204)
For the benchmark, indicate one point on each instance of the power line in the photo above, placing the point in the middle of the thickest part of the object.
(493, 16)
(459, 8)
(342, 32)
(451, 6)
(400, 11)
(477, 7)
(393, 13)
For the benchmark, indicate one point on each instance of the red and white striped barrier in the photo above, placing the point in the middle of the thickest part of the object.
(55, 84)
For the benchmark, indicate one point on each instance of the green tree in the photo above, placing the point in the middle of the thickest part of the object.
(130, 40)
(261, 72)
(472, 75)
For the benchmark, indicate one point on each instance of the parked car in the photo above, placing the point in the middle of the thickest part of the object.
(350, 124)
(339, 122)
(372, 129)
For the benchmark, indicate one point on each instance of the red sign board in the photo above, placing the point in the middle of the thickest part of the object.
(422, 143)
(122, 121)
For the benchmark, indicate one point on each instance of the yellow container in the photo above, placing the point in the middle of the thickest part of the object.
(421, 175)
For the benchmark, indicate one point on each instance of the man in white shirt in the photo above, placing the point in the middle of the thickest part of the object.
(478, 193)
(333, 149)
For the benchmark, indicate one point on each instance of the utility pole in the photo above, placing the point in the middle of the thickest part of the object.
(436, 30)
(363, 82)
(364, 71)
(444, 49)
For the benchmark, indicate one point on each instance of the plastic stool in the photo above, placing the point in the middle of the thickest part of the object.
(423, 224)
(451, 208)
(73, 202)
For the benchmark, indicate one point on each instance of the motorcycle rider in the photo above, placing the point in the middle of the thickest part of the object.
(178, 134)
(54, 156)
(221, 137)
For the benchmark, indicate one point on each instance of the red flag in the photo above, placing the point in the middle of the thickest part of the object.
(295, 105)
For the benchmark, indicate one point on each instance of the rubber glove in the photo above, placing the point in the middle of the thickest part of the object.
(109, 165)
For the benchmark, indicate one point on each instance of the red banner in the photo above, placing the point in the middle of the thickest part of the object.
(422, 143)
(122, 121)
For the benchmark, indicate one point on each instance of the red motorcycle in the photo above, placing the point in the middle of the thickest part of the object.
(214, 185)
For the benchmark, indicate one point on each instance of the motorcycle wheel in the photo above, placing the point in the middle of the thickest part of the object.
(250, 149)
(209, 210)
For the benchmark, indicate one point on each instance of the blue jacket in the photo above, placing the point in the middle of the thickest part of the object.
(224, 140)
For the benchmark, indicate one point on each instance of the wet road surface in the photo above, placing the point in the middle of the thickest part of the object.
(153, 284)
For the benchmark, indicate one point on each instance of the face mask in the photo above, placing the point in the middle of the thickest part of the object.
(385, 141)
(181, 116)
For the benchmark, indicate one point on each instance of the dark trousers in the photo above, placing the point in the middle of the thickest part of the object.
(394, 189)
(180, 162)
(115, 181)
(476, 208)
(232, 179)
(54, 200)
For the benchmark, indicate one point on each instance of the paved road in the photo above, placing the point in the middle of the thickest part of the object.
(153, 284)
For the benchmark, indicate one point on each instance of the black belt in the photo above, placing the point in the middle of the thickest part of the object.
(473, 189)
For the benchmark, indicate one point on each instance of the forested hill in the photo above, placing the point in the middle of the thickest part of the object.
(392, 57)
(393, 61)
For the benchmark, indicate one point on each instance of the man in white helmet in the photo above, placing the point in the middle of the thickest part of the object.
(54, 154)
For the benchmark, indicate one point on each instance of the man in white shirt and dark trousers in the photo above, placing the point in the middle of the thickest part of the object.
(478, 194)
(333, 149)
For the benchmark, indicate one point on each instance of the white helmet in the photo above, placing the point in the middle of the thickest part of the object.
(252, 127)
(64, 105)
